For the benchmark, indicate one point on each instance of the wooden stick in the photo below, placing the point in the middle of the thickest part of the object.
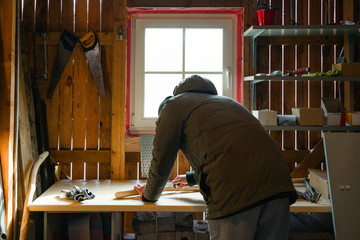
(168, 187)
(30, 194)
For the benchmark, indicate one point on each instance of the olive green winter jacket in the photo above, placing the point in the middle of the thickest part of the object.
(236, 162)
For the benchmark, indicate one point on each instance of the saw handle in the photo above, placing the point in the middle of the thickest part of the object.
(126, 193)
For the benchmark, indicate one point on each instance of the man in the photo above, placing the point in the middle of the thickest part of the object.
(240, 170)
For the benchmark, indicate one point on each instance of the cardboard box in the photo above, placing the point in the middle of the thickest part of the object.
(266, 117)
(333, 109)
(319, 181)
(348, 69)
(309, 116)
(353, 118)
(286, 120)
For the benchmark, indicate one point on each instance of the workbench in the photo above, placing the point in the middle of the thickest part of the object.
(52, 201)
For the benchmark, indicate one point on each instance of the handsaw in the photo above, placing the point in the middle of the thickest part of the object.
(90, 45)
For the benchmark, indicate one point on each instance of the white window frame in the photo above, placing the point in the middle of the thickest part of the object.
(141, 125)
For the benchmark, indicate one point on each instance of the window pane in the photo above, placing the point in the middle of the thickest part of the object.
(163, 49)
(216, 79)
(203, 49)
(157, 87)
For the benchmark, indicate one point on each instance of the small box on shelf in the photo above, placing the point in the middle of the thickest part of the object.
(266, 117)
(319, 181)
(333, 111)
(308, 116)
(353, 118)
(348, 69)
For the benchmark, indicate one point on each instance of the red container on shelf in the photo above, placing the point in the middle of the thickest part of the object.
(266, 16)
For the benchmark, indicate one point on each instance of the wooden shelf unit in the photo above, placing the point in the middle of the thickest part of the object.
(348, 32)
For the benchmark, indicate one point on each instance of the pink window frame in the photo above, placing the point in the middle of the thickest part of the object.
(238, 12)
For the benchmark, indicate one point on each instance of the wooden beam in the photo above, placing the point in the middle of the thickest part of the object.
(88, 156)
(132, 144)
(294, 155)
(118, 91)
(53, 38)
(312, 160)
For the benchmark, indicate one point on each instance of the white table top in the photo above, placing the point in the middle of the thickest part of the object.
(180, 201)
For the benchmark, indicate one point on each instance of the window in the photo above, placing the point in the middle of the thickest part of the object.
(168, 48)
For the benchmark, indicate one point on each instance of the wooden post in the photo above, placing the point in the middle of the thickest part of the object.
(7, 117)
(118, 91)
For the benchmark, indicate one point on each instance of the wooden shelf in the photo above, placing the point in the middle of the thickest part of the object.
(301, 30)
(256, 79)
(314, 128)
(349, 33)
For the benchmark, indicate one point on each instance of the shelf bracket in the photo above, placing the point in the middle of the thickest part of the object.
(253, 45)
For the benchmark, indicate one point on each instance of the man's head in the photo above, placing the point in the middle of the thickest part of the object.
(162, 104)
(196, 84)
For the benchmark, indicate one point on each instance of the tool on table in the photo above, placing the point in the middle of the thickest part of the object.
(298, 71)
(90, 45)
(80, 194)
(65, 49)
(310, 193)
(168, 187)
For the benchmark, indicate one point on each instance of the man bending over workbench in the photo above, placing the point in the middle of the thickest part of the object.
(239, 168)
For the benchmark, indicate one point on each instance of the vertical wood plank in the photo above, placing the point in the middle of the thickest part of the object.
(79, 90)
(79, 108)
(7, 118)
(28, 15)
(41, 16)
(328, 56)
(118, 93)
(52, 105)
(105, 107)
(65, 89)
(315, 65)
(300, 86)
(348, 14)
(93, 104)
(92, 113)
(288, 100)
(288, 92)
(276, 88)
(94, 15)
(262, 66)
(107, 56)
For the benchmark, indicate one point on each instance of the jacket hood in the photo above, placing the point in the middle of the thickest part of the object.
(195, 84)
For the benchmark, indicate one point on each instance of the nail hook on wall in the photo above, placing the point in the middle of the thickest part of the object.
(120, 33)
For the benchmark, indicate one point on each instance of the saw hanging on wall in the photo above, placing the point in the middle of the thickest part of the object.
(65, 49)
(90, 45)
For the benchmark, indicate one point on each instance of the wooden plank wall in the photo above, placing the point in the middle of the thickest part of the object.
(78, 120)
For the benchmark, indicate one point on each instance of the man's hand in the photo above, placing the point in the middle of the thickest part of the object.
(140, 188)
(180, 181)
